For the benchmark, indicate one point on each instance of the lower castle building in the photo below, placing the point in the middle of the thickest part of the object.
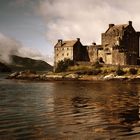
(119, 46)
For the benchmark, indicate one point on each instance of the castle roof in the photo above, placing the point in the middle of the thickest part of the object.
(117, 28)
(67, 43)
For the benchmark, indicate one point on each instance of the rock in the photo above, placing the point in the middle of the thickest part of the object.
(27, 72)
(115, 77)
(19, 76)
(108, 77)
(50, 77)
(72, 76)
(138, 77)
(54, 76)
(13, 75)
(120, 77)
(23, 75)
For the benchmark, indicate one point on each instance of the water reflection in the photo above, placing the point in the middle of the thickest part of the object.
(91, 109)
(69, 110)
(78, 103)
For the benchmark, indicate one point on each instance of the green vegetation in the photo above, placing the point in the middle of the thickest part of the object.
(120, 71)
(79, 67)
(82, 71)
(89, 72)
(106, 70)
(97, 65)
(95, 72)
(4, 68)
(97, 69)
(63, 65)
(133, 71)
(23, 63)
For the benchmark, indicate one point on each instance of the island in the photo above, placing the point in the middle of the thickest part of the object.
(96, 72)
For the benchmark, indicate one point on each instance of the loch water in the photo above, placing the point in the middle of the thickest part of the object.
(69, 110)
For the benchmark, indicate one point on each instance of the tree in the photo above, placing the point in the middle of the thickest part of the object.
(133, 71)
(119, 71)
(63, 65)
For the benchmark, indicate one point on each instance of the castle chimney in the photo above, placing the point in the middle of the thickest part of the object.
(130, 23)
(60, 41)
(78, 39)
(111, 25)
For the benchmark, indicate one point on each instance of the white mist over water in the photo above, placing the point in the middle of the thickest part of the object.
(10, 46)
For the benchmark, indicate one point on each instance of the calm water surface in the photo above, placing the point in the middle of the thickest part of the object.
(69, 110)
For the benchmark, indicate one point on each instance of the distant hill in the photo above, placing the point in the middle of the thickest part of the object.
(23, 63)
(4, 68)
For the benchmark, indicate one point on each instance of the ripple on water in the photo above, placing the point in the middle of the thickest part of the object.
(69, 110)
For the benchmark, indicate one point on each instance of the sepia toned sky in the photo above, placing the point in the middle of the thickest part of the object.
(35, 25)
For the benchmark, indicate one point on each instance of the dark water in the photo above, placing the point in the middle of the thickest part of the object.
(69, 110)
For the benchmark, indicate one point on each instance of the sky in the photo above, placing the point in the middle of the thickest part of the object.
(32, 27)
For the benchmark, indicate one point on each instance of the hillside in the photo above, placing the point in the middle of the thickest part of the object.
(4, 68)
(23, 63)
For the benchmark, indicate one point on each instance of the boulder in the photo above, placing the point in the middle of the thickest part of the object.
(13, 75)
(109, 77)
(72, 76)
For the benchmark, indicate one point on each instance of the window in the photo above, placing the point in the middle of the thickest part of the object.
(67, 48)
(62, 54)
(67, 54)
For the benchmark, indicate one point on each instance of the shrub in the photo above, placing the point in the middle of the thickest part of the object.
(81, 72)
(63, 65)
(80, 67)
(89, 72)
(120, 71)
(97, 64)
(108, 69)
(96, 72)
(133, 71)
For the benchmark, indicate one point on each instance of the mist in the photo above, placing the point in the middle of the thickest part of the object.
(86, 19)
(9, 46)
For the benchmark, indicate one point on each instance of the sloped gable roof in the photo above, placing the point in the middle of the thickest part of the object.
(68, 43)
(117, 28)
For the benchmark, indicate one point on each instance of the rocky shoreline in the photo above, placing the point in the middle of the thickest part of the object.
(33, 76)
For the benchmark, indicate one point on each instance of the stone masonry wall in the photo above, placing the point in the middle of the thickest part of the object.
(63, 52)
(93, 53)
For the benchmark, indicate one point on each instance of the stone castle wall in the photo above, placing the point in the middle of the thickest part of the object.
(119, 46)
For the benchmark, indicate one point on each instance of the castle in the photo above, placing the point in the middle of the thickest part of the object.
(119, 46)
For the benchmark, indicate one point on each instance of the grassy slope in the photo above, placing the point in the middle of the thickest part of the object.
(4, 68)
(21, 63)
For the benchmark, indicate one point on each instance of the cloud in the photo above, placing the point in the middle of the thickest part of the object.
(18, 3)
(86, 19)
(10, 46)
(7, 46)
(35, 54)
